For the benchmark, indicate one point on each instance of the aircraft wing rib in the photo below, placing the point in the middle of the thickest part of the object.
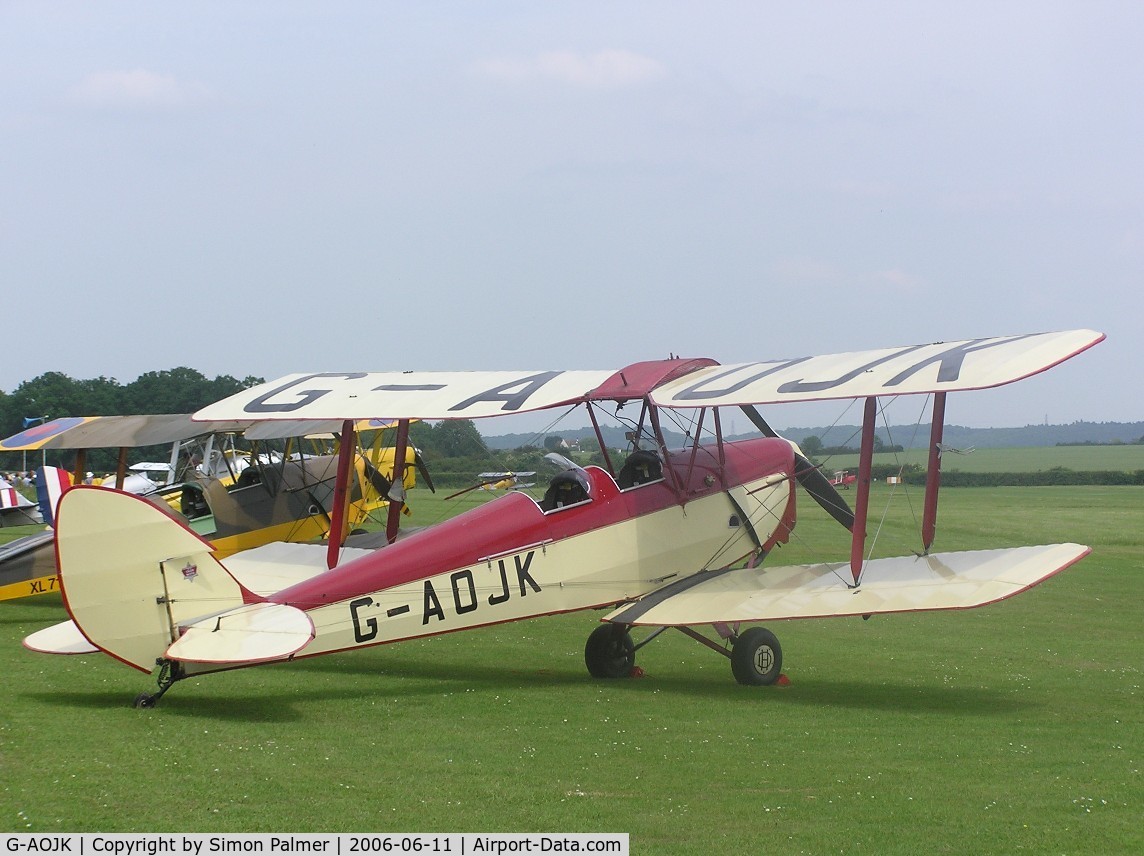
(959, 580)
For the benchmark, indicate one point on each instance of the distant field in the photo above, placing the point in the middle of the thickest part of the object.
(1014, 728)
(1028, 459)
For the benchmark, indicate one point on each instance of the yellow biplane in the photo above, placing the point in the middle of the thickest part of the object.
(236, 499)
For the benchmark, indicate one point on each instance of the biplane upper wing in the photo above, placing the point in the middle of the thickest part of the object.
(283, 429)
(405, 395)
(936, 581)
(937, 367)
(41, 436)
(106, 432)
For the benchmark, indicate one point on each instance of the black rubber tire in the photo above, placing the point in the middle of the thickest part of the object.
(144, 700)
(610, 652)
(757, 657)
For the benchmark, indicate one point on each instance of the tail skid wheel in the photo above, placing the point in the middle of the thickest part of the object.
(610, 652)
(756, 657)
(169, 672)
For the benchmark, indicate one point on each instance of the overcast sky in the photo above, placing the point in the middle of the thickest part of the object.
(263, 188)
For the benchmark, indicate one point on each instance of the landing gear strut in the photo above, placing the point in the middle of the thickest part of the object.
(169, 672)
(755, 654)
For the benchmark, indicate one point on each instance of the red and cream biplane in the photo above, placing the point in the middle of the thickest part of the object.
(667, 538)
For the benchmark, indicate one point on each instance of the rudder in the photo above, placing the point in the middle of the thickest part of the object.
(51, 482)
(131, 574)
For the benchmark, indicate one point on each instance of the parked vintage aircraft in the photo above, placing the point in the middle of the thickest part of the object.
(257, 500)
(493, 482)
(677, 539)
(505, 480)
(15, 508)
(843, 479)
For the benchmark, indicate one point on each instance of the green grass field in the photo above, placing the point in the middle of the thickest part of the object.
(1017, 727)
(1128, 458)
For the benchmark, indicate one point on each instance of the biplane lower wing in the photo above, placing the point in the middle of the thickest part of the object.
(25, 568)
(903, 584)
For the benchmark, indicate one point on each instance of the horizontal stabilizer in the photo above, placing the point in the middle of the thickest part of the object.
(902, 584)
(250, 634)
(62, 638)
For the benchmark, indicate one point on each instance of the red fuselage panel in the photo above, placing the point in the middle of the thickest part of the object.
(514, 521)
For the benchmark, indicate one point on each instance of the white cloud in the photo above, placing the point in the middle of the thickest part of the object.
(138, 88)
(609, 69)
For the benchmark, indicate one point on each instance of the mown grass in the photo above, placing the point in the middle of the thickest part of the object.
(1018, 727)
(1119, 458)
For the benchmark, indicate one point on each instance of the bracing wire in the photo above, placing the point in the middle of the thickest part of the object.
(901, 465)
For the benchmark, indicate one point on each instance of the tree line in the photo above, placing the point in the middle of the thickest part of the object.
(914, 474)
(456, 454)
(454, 450)
(813, 447)
(54, 394)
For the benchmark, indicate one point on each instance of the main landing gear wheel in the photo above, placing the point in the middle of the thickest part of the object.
(756, 657)
(610, 652)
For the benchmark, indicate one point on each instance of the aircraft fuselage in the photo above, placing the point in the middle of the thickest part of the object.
(509, 559)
